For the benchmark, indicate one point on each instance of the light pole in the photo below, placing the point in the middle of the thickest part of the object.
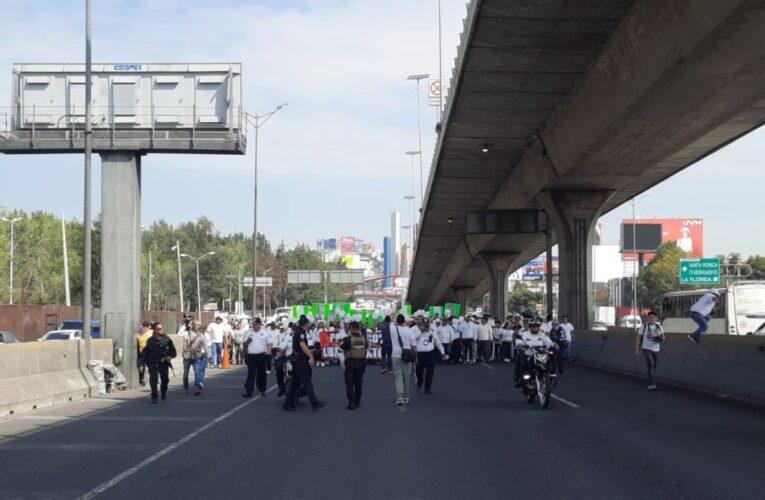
(241, 304)
(86, 223)
(177, 249)
(411, 155)
(419, 127)
(257, 121)
(230, 277)
(635, 263)
(148, 304)
(440, 68)
(10, 284)
(199, 292)
(67, 295)
(264, 291)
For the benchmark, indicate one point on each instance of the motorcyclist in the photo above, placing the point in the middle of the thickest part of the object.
(530, 338)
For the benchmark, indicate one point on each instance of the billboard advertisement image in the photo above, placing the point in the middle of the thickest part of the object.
(347, 244)
(687, 233)
(534, 270)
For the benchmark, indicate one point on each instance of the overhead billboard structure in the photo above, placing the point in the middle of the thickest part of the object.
(536, 269)
(687, 233)
(640, 237)
(304, 277)
(136, 107)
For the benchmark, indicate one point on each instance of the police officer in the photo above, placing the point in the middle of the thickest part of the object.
(427, 343)
(354, 348)
(529, 338)
(158, 353)
(257, 345)
(280, 343)
(302, 361)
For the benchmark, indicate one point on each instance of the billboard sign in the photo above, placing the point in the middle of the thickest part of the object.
(686, 232)
(534, 270)
(641, 237)
(347, 244)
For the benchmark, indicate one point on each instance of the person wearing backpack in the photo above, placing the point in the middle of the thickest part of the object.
(427, 344)
(404, 353)
(649, 339)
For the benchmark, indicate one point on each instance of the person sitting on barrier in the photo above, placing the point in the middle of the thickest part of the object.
(651, 335)
(701, 313)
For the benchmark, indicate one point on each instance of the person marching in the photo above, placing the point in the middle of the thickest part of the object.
(279, 352)
(651, 335)
(354, 348)
(427, 343)
(404, 348)
(257, 344)
(302, 361)
(194, 355)
(144, 334)
(158, 353)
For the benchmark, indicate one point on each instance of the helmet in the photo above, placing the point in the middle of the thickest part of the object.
(534, 323)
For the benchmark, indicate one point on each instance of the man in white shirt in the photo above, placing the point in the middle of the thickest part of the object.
(467, 332)
(532, 337)
(701, 313)
(280, 341)
(484, 337)
(215, 331)
(402, 338)
(651, 335)
(568, 330)
(257, 343)
(428, 348)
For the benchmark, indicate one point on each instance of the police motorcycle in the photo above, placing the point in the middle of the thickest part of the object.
(536, 382)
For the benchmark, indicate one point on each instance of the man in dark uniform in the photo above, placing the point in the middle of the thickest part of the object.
(158, 353)
(354, 348)
(302, 361)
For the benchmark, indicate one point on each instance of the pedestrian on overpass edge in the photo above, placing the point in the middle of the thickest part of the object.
(701, 313)
(649, 339)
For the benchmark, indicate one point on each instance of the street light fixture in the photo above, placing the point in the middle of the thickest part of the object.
(10, 284)
(257, 121)
(177, 248)
(199, 293)
(410, 199)
(264, 291)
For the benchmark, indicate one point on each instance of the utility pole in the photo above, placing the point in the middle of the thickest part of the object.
(177, 249)
(67, 296)
(148, 306)
(10, 281)
(87, 244)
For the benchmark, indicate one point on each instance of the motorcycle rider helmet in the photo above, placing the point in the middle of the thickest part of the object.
(534, 323)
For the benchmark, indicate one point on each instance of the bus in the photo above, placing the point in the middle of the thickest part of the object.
(740, 310)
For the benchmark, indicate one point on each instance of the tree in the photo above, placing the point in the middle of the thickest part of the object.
(660, 276)
(757, 263)
(522, 300)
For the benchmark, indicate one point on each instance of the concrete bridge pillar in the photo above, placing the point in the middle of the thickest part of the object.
(121, 254)
(462, 296)
(498, 265)
(573, 213)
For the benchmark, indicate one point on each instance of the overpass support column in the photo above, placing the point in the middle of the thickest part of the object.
(121, 254)
(498, 264)
(573, 213)
(462, 296)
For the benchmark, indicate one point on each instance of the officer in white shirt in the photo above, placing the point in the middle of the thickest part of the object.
(530, 338)
(257, 343)
(568, 329)
(280, 340)
(428, 347)
(701, 313)
(649, 339)
(215, 331)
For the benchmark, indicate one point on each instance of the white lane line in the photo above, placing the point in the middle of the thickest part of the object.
(77, 447)
(110, 419)
(565, 401)
(164, 451)
(488, 366)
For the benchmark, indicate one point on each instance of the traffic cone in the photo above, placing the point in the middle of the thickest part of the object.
(226, 362)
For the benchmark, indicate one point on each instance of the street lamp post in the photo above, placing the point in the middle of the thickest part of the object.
(10, 283)
(635, 263)
(419, 127)
(177, 249)
(257, 121)
(264, 291)
(230, 277)
(87, 174)
(199, 292)
(410, 200)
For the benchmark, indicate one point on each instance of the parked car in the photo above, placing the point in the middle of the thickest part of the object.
(599, 326)
(7, 338)
(61, 335)
(76, 324)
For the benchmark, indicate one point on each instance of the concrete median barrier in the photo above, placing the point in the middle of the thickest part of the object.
(38, 374)
(729, 365)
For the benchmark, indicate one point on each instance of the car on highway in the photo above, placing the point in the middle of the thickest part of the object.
(7, 338)
(61, 335)
(599, 326)
(76, 324)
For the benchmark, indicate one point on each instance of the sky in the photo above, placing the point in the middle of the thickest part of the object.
(332, 162)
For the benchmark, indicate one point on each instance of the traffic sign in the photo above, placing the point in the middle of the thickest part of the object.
(305, 277)
(705, 271)
(434, 92)
(263, 281)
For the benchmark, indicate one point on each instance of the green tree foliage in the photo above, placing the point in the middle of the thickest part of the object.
(522, 300)
(660, 276)
(757, 263)
(39, 266)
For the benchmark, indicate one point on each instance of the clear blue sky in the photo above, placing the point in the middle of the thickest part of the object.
(332, 162)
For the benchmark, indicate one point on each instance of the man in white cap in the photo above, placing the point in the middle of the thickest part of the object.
(701, 313)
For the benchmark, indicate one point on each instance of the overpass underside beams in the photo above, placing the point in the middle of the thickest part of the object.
(579, 95)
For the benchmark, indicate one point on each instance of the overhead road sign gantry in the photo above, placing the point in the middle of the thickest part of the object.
(704, 271)
(262, 281)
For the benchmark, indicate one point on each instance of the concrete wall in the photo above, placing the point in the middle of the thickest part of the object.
(722, 364)
(39, 374)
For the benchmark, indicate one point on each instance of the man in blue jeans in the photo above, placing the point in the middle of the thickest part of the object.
(701, 313)
(194, 355)
(387, 347)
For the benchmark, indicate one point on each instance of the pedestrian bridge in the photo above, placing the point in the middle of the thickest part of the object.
(574, 107)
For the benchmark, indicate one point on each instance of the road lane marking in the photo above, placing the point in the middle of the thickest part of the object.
(565, 401)
(488, 366)
(110, 419)
(164, 451)
(77, 447)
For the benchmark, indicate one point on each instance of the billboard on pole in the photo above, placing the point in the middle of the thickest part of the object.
(347, 244)
(687, 233)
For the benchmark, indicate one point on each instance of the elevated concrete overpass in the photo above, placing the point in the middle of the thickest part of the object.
(574, 107)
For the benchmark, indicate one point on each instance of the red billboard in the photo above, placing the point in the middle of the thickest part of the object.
(347, 244)
(687, 233)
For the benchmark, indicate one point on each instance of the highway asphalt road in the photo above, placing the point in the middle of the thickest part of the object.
(474, 438)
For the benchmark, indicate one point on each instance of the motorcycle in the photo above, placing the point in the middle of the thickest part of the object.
(536, 383)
